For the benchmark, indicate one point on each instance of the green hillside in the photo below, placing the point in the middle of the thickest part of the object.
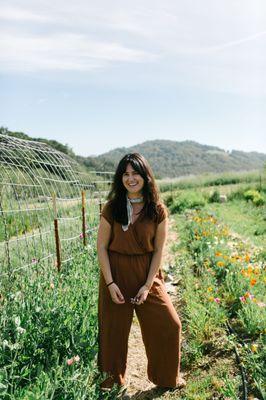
(168, 158)
(171, 159)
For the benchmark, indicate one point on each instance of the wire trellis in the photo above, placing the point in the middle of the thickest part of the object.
(49, 204)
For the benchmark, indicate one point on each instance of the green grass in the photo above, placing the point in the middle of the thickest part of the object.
(243, 218)
(46, 319)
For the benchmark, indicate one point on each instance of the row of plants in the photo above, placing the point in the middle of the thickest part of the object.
(179, 201)
(48, 331)
(228, 279)
(211, 180)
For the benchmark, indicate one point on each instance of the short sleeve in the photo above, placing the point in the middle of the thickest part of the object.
(107, 213)
(162, 212)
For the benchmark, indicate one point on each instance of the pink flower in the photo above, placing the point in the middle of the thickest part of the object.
(81, 235)
(242, 298)
(217, 300)
(34, 261)
(72, 360)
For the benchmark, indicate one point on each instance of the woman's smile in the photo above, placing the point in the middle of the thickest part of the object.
(132, 181)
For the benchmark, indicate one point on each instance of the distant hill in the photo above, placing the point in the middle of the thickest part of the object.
(168, 158)
(171, 159)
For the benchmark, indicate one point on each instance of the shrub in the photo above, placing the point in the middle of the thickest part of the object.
(254, 196)
(187, 200)
(214, 197)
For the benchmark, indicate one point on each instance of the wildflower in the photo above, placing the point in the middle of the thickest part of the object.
(211, 298)
(242, 299)
(250, 269)
(17, 321)
(217, 300)
(72, 360)
(21, 330)
(81, 235)
(34, 260)
(218, 254)
(254, 348)
(220, 263)
(52, 285)
(261, 304)
(253, 281)
(247, 257)
(209, 289)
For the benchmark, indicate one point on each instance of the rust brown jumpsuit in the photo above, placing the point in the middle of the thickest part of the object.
(130, 254)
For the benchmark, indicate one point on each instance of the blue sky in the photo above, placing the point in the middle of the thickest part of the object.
(101, 75)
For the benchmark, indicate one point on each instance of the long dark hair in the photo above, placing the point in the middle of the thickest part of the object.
(117, 194)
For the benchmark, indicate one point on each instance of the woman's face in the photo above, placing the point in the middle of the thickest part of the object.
(132, 181)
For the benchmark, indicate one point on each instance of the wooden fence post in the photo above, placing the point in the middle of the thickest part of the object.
(100, 206)
(56, 234)
(83, 196)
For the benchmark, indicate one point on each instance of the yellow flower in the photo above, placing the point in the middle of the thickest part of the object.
(256, 271)
(211, 298)
(209, 289)
(220, 263)
(254, 348)
(250, 269)
(247, 257)
(218, 254)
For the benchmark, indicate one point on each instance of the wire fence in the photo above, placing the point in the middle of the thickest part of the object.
(49, 204)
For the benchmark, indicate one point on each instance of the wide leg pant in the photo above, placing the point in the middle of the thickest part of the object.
(158, 319)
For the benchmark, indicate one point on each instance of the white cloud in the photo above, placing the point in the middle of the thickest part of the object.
(18, 14)
(74, 52)
(216, 45)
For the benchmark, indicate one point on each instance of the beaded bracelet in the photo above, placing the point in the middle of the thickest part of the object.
(110, 283)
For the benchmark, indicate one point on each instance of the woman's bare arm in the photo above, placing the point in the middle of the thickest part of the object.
(103, 238)
(159, 243)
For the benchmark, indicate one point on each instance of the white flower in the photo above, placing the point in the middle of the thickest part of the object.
(20, 330)
(17, 321)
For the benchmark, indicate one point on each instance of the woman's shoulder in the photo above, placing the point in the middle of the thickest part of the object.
(107, 212)
(162, 212)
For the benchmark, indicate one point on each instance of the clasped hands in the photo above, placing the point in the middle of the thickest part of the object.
(118, 298)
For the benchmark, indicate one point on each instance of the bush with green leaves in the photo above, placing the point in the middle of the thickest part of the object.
(214, 197)
(254, 196)
(187, 200)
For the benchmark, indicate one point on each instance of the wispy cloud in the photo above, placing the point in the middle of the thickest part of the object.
(236, 42)
(19, 14)
(73, 52)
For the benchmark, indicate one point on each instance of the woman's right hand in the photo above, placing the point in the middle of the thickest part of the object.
(116, 295)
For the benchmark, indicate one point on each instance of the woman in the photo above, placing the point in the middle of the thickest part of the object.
(131, 238)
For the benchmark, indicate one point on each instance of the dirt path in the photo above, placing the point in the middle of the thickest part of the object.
(139, 387)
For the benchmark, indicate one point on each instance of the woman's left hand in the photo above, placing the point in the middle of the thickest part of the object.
(141, 295)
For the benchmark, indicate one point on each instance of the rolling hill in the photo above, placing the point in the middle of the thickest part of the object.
(168, 158)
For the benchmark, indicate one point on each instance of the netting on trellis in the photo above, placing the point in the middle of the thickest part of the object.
(48, 205)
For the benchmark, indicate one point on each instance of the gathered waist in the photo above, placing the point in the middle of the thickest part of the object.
(148, 254)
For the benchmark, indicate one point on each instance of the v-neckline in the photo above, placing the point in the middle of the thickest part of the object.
(137, 217)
